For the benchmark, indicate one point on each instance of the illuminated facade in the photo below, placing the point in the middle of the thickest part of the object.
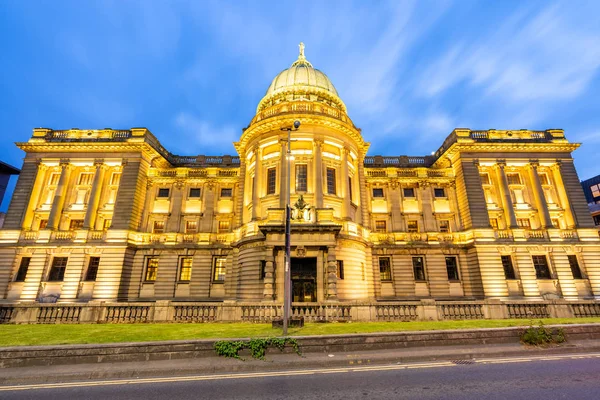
(112, 215)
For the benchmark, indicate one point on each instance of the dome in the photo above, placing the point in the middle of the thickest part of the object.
(301, 81)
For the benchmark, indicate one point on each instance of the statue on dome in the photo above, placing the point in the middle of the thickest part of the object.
(301, 45)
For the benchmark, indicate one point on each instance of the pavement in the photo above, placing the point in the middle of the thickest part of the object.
(276, 361)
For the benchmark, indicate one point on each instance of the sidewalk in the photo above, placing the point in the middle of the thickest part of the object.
(276, 361)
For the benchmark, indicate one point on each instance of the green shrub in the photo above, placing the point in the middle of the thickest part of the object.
(540, 335)
(257, 347)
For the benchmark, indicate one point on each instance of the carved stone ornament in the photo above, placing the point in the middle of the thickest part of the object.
(301, 210)
(300, 251)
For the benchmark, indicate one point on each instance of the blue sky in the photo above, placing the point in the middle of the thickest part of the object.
(193, 72)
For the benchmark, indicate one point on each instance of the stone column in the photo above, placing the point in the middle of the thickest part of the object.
(269, 281)
(345, 189)
(92, 206)
(283, 174)
(426, 207)
(394, 196)
(362, 187)
(318, 173)
(331, 274)
(257, 183)
(240, 199)
(507, 203)
(59, 197)
(538, 194)
(176, 202)
(563, 196)
(34, 199)
(206, 222)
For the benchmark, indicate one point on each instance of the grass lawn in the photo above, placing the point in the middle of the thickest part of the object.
(29, 335)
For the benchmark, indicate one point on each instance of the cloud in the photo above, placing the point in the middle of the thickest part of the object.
(197, 136)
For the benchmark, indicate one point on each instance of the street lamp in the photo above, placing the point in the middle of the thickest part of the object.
(287, 289)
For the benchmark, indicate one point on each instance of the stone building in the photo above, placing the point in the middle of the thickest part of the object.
(113, 215)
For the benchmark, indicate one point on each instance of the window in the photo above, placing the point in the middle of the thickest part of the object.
(57, 271)
(226, 192)
(444, 226)
(339, 272)
(43, 223)
(23, 267)
(574, 264)
(263, 270)
(115, 178)
(596, 220)
(163, 192)
(595, 190)
(513, 179)
(544, 179)
(385, 269)
(75, 224)
(92, 270)
(524, 223)
(331, 181)
(107, 223)
(418, 268)
(509, 271)
(151, 269)
(194, 193)
(301, 181)
(409, 192)
(219, 269)
(158, 227)
(377, 192)
(191, 226)
(494, 223)
(54, 178)
(271, 180)
(452, 268)
(541, 267)
(439, 192)
(85, 178)
(413, 226)
(381, 226)
(223, 226)
(185, 269)
(555, 222)
(485, 179)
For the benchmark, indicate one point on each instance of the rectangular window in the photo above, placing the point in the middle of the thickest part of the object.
(377, 192)
(385, 269)
(163, 192)
(194, 193)
(340, 269)
(263, 270)
(544, 179)
(23, 267)
(158, 227)
(107, 223)
(413, 226)
(219, 269)
(494, 223)
(301, 174)
(75, 224)
(54, 178)
(57, 271)
(43, 223)
(444, 226)
(595, 190)
(350, 189)
(271, 180)
(485, 179)
(185, 269)
(381, 226)
(223, 226)
(439, 192)
(596, 220)
(542, 271)
(574, 264)
(115, 178)
(85, 178)
(509, 271)
(556, 222)
(524, 223)
(226, 192)
(92, 271)
(513, 179)
(331, 184)
(409, 192)
(418, 268)
(151, 269)
(452, 268)
(191, 227)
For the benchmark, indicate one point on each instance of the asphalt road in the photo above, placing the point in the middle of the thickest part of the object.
(563, 377)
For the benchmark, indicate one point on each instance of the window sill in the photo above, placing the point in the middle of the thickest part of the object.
(148, 282)
(183, 282)
(218, 282)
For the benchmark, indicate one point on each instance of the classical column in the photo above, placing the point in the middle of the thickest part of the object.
(34, 199)
(426, 207)
(345, 190)
(394, 196)
(362, 187)
(283, 174)
(92, 206)
(563, 196)
(257, 183)
(318, 173)
(269, 281)
(538, 194)
(507, 203)
(59, 197)
(206, 222)
(176, 201)
(331, 274)
(240, 199)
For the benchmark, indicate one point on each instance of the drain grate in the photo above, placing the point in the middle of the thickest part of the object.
(463, 362)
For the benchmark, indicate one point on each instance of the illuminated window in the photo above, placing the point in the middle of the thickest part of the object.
(23, 267)
(75, 224)
(185, 269)
(574, 264)
(409, 192)
(54, 178)
(542, 271)
(331, 184)
(439, 192)
(513, 179)
(452, 268)
(191, 226)
(85, 178)
(194, 193)
(163, 193)
(385, 269)
(444, 226)
(223, 226)
(485, 178)
(107, 223)
(92, 271)
(43, 223)
(219, 269)
(544, 179)
(115, 178)
(595, 190)
(419, 268)
(556, 222)
(301, 180)
(413, 226)
(524, 223)
(57, 271)
(507, 265)
(339, 272)
(158, 227)
(271, 180)
(377, 192)
(381, 226)
(151, 269)
(494, 223)
(226, 192)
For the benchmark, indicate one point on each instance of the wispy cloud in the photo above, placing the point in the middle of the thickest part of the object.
(193, 134)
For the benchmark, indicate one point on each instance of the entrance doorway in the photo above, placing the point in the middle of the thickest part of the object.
(304, 279)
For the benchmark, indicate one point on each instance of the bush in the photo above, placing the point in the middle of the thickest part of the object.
(257, 347)
(540, 335)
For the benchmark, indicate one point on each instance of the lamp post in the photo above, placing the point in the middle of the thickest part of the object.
(287, 287)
